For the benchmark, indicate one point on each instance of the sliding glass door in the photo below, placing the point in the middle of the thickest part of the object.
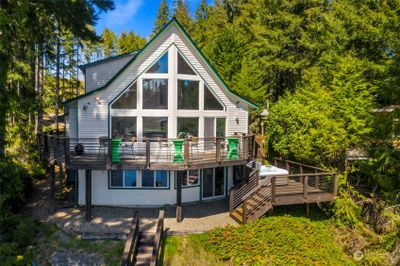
(213, 185)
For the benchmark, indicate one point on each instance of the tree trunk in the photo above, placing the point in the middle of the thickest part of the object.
(4, 66)
(57, 84)
(39, 122)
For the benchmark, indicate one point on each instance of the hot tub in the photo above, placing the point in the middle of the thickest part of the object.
(268, 171)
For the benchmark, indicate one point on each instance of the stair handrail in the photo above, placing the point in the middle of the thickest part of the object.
(158, 239)
(236, 193)
(268, 184)
(131, 245)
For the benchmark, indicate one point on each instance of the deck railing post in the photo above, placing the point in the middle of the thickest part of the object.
(316, 179)
(147, 153)
(287, 166)
(186, 151)
(218, 150)
(244, 213)
(66, 151)
(109, 154)
(273, 189)
(335, 185)
(245, 148)
(301, 174)
(305, 188)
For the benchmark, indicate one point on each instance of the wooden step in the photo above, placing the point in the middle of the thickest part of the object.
(236, 216)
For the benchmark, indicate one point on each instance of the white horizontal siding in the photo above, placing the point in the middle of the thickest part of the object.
(99, 74)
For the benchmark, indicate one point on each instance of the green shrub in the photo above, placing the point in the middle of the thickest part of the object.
(345, 210)
(281, 240)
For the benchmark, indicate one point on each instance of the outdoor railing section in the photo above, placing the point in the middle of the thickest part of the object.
(130, 249)
(158, 241)
(103, 152)
(313, 179)
(255, 202)
(239, 191)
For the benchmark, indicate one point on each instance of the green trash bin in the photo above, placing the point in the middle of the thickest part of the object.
(233, 153)
(178, 157)
(115, 150)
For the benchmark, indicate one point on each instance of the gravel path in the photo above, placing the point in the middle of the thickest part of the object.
(113, 222)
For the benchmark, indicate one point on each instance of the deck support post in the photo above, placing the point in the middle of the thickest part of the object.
(147, 154)
(52, 202)
(308, 209)
(88, 194)
(273, 189)
(179, 199)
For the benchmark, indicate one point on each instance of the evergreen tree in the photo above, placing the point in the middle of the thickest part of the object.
(181, 12)
(162, 18)
(199, 33)
(129, 42)
(109, 43)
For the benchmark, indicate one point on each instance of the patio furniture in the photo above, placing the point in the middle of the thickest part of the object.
(115, 143)
(178, 157)
(232, 153)
(128, 143)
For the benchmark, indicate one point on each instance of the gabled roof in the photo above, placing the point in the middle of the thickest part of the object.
(136, 54)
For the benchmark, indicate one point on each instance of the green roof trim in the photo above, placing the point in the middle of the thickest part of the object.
(138, 53)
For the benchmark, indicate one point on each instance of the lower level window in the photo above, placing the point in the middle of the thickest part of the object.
(145, 179)
(189, 177)
(123, 179)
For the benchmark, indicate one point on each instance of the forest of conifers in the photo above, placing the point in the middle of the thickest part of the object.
(328, 72)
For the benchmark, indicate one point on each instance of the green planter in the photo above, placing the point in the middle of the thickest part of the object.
(178, 157)
(233, 153)
(115, 150)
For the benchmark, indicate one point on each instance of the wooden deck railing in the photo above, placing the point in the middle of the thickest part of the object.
(129, 255)
(303, 184)
(236, 193)
(99, 153)
(158, 241)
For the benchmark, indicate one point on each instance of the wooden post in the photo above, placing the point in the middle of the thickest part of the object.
(301, 174)
(109, 155)
(273, 189)
(287, 167)
(307, 209)
(276, 162)
(218, 150)
(88, 185)
(52, 203)
(186, 151)
(147, 153)
(231, 201)
(335, 185)
(66, 151)
(179, 199)
(305, 188)
(244, 211)
(316, 179)
(245, 148)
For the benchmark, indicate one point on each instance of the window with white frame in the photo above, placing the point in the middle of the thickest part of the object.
(121, 179)
(188, 177)
(139, 179)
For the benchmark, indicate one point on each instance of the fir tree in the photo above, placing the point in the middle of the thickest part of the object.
(182, 14)
(162, 18)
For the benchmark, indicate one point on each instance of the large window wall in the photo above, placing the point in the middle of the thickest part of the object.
(168, 100)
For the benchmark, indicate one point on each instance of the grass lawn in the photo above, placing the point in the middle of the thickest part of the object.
(276, 240)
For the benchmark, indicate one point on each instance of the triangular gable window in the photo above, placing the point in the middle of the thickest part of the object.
(127, 100)
(183, 67)
(161, 66)
(210, 101)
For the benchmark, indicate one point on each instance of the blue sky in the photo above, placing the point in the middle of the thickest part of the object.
(135, 15)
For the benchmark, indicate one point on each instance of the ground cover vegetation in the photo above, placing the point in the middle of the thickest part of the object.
(327, 71)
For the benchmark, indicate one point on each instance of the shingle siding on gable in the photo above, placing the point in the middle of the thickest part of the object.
(94, 121)
(98, 75)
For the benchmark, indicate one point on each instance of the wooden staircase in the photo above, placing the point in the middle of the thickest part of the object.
(250, 199)
(143, 248)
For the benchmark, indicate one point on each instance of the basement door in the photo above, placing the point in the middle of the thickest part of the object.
(213, 183)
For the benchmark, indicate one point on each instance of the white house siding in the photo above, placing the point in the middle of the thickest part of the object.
(98, 75)
(102, 195)
(71, 127)
(94, 121)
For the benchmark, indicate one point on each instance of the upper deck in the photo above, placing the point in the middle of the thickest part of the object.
(149, 153)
